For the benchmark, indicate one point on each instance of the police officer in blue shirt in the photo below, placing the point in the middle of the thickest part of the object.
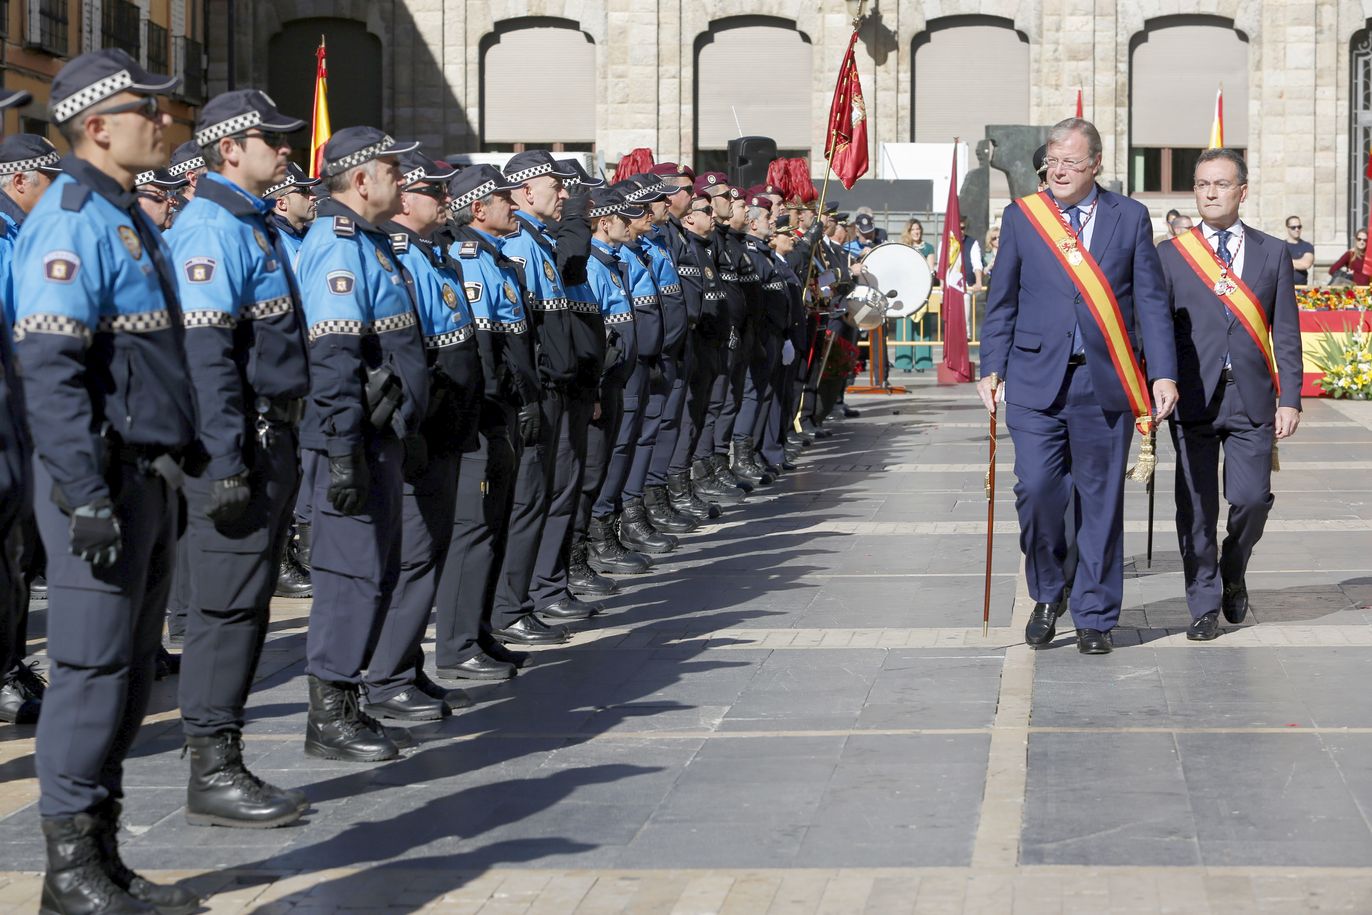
(609, 285)
(100, 341)
(28, 163)
(155, 188)
(396, 684)
(188, 163)
(369, 390)
(540, 198)
(293, 208)
(481, 211)
(248, 367)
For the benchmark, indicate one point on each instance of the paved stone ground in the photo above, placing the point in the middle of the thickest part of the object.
(800, 714)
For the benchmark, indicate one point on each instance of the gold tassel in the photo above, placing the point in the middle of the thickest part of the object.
(1276, 461)
(1142, 472)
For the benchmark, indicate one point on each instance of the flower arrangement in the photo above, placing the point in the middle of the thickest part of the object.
(843, 360)
(1335, 298)
(1347, 363)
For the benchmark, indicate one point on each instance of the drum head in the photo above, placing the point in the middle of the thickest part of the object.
(903, 270)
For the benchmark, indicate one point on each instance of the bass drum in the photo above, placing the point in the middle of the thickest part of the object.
(903, 275)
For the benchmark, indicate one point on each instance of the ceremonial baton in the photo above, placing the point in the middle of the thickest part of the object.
(990, 508)
(1152, 492)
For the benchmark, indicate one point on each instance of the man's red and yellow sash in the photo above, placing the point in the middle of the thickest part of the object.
(1232, 291)
(1085, 273)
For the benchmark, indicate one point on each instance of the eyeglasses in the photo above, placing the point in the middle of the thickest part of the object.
(1074, 165)
(1220, 186)
(273, 138)
(154, 196)
(1296, 228)
(700, 210)
(146, 105)
(436, 191)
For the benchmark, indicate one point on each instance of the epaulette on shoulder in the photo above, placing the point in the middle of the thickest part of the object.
(400, 242)
(344, 227)
(74, 196)
(467, 249)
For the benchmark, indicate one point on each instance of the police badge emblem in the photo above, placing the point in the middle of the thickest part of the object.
(131, 241)
(510, 294)
(61, 266)
(709, 274)
(199, 269)
(340, 282)
(548, 271)
(383, 260)
(449, 297)
(614, 278)
(261, 240)
(473, 291)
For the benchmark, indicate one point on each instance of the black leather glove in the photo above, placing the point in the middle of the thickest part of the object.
(95, 534)
(655, 375)
(614, 353)
(530, 423)
(416, 457)
(228, 499)
(348, 482)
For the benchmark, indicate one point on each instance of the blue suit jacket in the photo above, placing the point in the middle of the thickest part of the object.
(1034, 306)
(1205, 332)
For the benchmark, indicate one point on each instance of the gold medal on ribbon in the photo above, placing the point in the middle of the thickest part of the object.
(1068, 246)
(1224, 285)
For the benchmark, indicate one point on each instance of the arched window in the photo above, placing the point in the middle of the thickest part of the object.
(1360, 128)
(752, 79)
(969, 72)
(538, 86)
(354, 71)
(1177, 65)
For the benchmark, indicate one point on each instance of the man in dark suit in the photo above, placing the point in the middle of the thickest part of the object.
(1230, 287)
(1074, 393)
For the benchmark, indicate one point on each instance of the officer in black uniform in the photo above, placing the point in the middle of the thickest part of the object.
(369, 390)
(396, 684)
(749, 367)
(761, 445)
(245, 340)
(482, 211)
(99, 338)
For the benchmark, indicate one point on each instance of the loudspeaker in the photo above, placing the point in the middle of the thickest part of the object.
(748, 160)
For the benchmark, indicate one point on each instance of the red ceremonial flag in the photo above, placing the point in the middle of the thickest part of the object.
(955, 355)
(846, 145)
(1367, 258)
(1080, 113)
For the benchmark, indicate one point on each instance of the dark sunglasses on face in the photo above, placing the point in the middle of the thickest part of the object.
(1295, 228)
(274, 139)
(154, 196)
(436, 191)
(147, 106)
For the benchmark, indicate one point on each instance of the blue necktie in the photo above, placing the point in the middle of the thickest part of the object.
(1222, 239)
(1078, 343)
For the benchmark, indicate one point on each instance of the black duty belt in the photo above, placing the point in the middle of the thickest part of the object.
(283, 411)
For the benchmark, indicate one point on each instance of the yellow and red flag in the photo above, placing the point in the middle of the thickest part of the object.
(845, 146)
(1367, 258)
(1080, 109)
(320, 130)
(1217, 127)
(955, 355)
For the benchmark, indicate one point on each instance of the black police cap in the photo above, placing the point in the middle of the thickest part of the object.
(295, 177)
(583, 178)
(527, 165)
(160, 177)
(11, 97)
(91, 78)
(417, 168)
(354, 146)
(476, 181)
(186, 158)
(23, 152)
(607, 201)
(231, 113)
(865, 224)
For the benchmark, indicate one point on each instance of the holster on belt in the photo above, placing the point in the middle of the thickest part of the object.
(383, 393)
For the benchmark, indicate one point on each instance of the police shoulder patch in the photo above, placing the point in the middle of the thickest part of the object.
(400, 242)
(344, 227)
(473, 291)
(341, 282)
(199, 269)
(468, 250)
(61, 266)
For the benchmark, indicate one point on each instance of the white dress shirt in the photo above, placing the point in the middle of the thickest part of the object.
(1235, 244)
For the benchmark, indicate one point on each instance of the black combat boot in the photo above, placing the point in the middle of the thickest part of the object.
(76, 882)
(605, 553)
(168, 898)
(222, 792)
(725, 476)
(334, 730)
(298, 550)
(664, 515)
(685, 501)
(708, 486)
(21, 695)
(637, 533)
(583, 579)
(751, 460)
(740, 465)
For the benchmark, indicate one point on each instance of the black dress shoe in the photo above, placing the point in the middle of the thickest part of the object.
(821, 432)
(1235, 602)
(1205, 628)
(520, 659)
(38, 588)
(569, 608)
(1043, 623)
(480, 666)
(850, 413)
(530, 630)
(453, 698)
(1093, 641)
(167, 664)
(410, 705)
(16, 705)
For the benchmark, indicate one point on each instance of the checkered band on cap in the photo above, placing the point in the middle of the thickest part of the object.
(98, 91)
(27, 165)
(526, 174)
(648, 191)
(190, 165)
(288, 183)
(599, 212)
(361, 157)
(413, 176)
(143, 178)
(228, 128)
(472, 196)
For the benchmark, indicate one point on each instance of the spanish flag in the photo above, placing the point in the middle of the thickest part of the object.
(321, 131)
(1217, 128)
